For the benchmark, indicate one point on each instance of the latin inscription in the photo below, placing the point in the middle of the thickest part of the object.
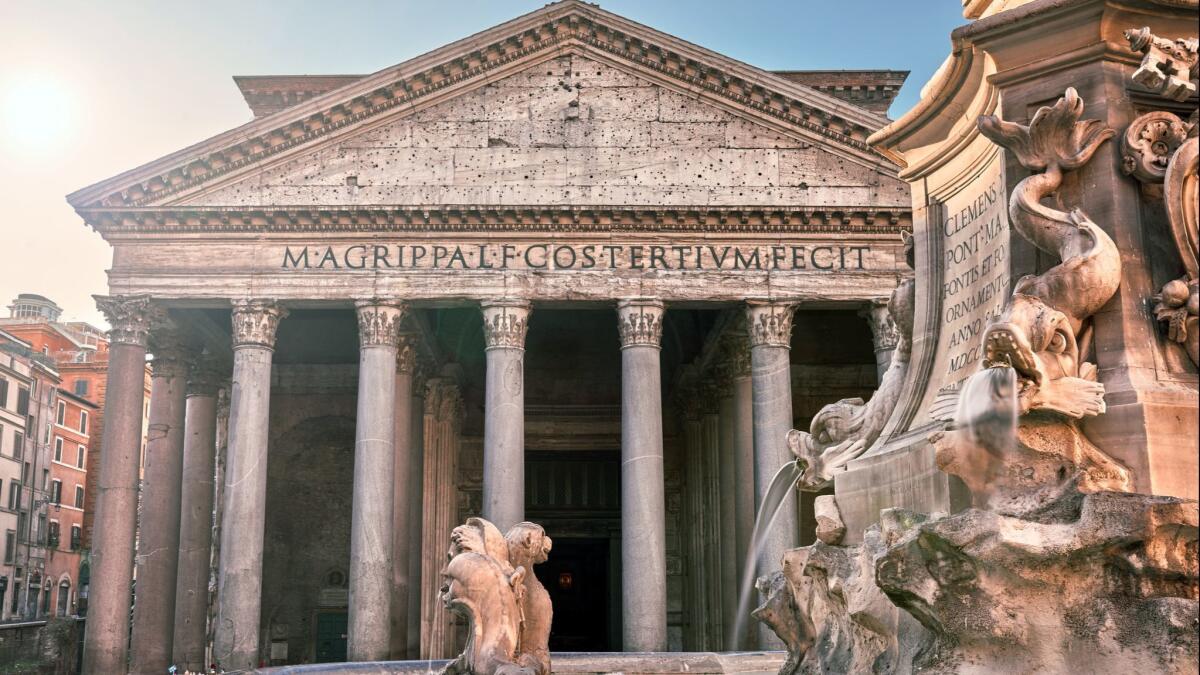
(975, 235)
(551, 256)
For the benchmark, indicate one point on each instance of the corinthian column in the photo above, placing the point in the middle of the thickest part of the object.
(105, 644)
(158, 539)
(883, 334)
(196, 516)
(239, 586)
(770, 326)
(740, 410)
(369, 630)
(504, 326)
(402, 533)
(643, 506)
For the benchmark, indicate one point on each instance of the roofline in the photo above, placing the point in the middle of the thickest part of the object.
(78, 399)
(181, 158)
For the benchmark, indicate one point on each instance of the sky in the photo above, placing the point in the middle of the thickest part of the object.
(90, 89)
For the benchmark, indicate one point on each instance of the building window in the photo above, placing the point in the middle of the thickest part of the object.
(3, 393)
(1, 439)
(10, 546)
(14, 495)
(78, 496)
(58, 445)
(27, 476)
(83, 422)
(56, 491)
(23, 401)
(52, 538)
(18, 444)
(60, 418)
(80, 453)
(81, 387)
(76, 537)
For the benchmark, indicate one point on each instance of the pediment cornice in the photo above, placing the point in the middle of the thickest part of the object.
(840, 220)
(568, 26)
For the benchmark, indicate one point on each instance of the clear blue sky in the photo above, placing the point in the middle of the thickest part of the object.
(89, 89)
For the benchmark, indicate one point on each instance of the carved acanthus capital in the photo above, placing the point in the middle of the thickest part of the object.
(407, 353)
(205, 376)
(169, 351)
(639, 322)
(1149, 143)
(443, 400)
(770, 323)
(505, 323)
(883, 329)
(255, 322)
(736, 352)
(131, 317)
(379, 322)
(1168, 67)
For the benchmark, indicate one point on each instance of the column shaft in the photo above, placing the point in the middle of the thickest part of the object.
(416, 514)
(158, 534)
(745, 503)
(643, 507)
(370, 627)
(504, 325)
(239, 584)
(770, 337)
(402, 536)
(195, 527)
(105, 647)
(726, 467)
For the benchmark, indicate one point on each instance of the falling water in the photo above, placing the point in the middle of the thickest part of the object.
(988, 409)
(772, 502)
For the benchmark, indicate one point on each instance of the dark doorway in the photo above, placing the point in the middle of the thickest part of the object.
(331, 637)
(577, 578)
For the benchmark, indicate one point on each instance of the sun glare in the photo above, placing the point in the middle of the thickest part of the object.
(37, 113)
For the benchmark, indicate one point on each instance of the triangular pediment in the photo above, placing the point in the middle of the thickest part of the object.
(748, 104)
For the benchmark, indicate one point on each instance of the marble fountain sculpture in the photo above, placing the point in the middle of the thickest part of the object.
(1056, 567)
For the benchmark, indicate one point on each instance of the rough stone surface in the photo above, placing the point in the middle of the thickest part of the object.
(830, 528)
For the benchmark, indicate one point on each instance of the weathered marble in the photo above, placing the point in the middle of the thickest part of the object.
(505, 324)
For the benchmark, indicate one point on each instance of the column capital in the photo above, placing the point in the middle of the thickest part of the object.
(407, 353)
(379, 322)
(736, 352)
(130, 316)
(204, 376)
(770, 323)
(639, 322)
(883, 328)
(505, 323)
(169, 353)
(255, 322)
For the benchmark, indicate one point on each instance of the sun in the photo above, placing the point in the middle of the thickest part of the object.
(37, 113)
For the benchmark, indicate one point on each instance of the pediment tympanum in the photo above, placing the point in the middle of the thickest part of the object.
(569, 130)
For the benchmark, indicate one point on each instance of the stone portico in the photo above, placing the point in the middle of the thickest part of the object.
(570, 269)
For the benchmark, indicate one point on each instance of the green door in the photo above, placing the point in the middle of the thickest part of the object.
(331, 637)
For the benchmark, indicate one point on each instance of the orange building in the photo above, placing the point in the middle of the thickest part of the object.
(70, 436)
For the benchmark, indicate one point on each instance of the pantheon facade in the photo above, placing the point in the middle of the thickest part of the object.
(569, 269)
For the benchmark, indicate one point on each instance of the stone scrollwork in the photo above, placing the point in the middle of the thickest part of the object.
(505, 323)
(1148, 143)
(489, 582)
(131, 317)
(255, 322)
(379, 322)
(639, 322)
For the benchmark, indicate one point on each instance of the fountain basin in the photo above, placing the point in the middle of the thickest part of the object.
(575, 663)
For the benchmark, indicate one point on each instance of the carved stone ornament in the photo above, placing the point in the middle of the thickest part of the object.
(736, 352)
(842, 431)
(639, 322)
(379, 322)
(505, 323)
(1168, 67)
(131, 317)
(169, 352)
(1148, 144)
(883, 328)
(255, 322)
(1178, 303)
(490, 583)
(407, 353)
(770, 323)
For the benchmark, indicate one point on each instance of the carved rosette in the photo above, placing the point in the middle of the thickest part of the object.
(883, 329)
(379, 322)
(169, 352)
(770, 323)
(205, 376)
(505, 323)
(130, 316)
(255, 322)
(1148, 144)
(639, 322)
